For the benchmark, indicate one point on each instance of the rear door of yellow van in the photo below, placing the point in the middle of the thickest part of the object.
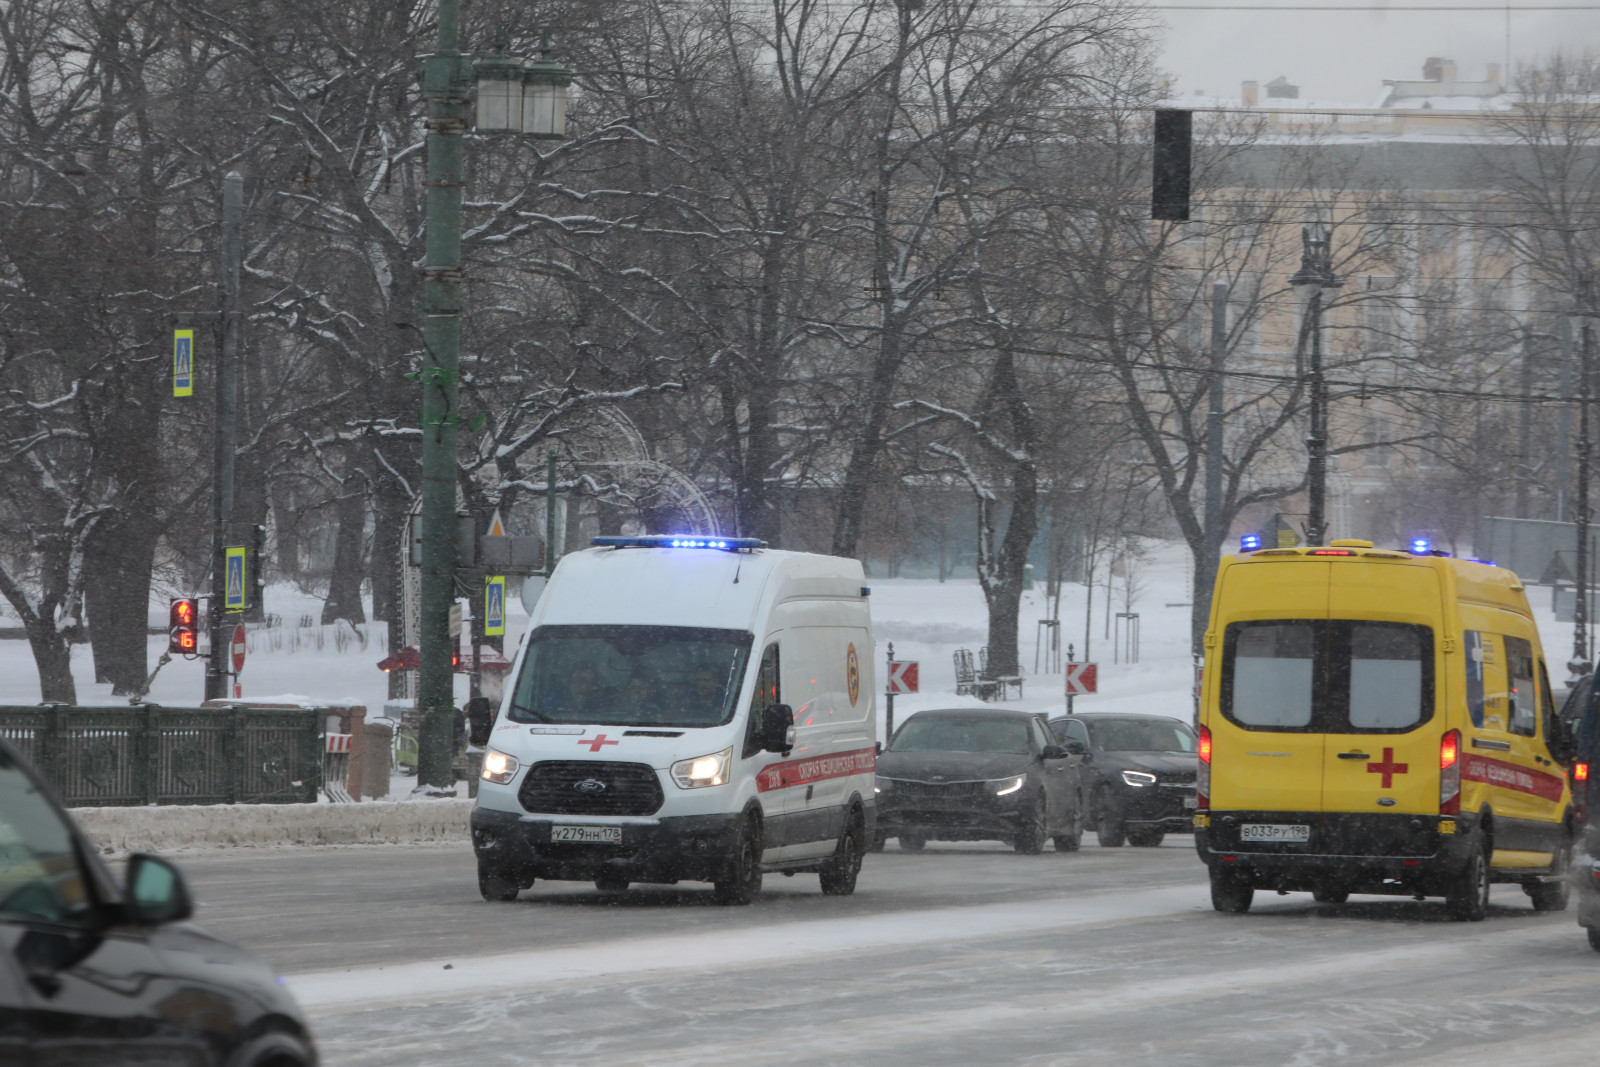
(1267, 755)
(1384, 681)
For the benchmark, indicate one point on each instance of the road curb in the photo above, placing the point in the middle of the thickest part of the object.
(165, 828)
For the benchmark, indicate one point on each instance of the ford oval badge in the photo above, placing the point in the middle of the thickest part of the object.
(590, 785)
(1386, 802)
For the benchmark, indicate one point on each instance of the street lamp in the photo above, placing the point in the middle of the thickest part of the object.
(1580, 664)
(1310, 281)
(506, 87)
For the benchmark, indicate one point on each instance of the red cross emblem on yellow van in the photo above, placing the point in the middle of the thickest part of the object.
(1388, 768)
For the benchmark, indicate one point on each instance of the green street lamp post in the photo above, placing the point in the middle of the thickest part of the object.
(512, 98)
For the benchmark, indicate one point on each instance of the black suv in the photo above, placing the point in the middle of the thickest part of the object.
(1138, 774)
(93, 973)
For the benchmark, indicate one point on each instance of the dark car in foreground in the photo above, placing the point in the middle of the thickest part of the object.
(976, 774)
(1138, 773)
(96, 974)
(1581, 716)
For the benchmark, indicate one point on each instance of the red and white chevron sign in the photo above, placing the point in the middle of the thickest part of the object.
(903, 676)
(1083, 677)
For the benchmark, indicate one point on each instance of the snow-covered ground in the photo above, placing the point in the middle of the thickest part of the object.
(924, 619)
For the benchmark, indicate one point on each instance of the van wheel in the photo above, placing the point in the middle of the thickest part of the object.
(496, 884)
(1111, 829)
(1467, 897)
(743, 880)
(1030, 829)
(611, 883)
(839, 874)
(1330, 896)
(1230, 891)
(1146, 838)
(1556, 893)
(913, 842)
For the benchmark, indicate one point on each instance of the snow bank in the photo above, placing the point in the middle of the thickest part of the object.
(163, 829)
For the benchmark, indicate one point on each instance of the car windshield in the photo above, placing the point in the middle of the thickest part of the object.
(1127, 735)
(978, 733)
(630, 675)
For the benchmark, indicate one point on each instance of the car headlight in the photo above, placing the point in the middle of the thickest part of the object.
(1007, 786)
(882, 785)
(1138, 778)
(498, 767)
(702, 770)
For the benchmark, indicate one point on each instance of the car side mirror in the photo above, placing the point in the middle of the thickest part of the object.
(480, 720)
(1076, 748)
(1053, 752)
(155, 891)
(777, 728)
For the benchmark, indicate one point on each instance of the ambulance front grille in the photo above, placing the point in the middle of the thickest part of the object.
(568, 787)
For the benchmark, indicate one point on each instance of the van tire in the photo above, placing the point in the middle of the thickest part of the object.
(1230, 893)
(838, 875)
(1555, 893)
(1146, 838)
(496, 885)
(1031, 835)
(1467, 896)
(743, 880)
(1110, 827)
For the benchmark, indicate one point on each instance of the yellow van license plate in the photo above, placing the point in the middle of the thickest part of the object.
(605, 835)
(1293, 832)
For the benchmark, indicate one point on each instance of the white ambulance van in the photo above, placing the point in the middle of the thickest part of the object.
(693, 708)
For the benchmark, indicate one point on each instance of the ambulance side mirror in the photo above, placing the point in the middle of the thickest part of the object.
(777, 728)
(480, 720)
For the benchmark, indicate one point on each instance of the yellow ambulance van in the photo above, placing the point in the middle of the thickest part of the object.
(1377, 721)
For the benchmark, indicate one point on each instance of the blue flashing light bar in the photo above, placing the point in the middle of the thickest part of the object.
(1250, 543)
(724, 544)
(1421, 546)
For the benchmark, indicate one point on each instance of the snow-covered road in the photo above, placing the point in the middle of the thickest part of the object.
(956, 955)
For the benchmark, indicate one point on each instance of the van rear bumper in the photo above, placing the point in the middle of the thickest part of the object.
(688, 847)
(1355, 850)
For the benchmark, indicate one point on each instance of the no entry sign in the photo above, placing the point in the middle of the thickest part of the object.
(903, 676)
(237, 647)
(1083, 677)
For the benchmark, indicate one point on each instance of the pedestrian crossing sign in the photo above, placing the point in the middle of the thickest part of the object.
(233, 596)
(183, 363)
(494, 607)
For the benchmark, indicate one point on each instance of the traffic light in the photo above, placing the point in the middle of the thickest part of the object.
(1169, 189)
(183, 626)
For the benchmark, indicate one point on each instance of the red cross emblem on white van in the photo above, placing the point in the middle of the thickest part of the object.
(1388, 768)
(597, 742)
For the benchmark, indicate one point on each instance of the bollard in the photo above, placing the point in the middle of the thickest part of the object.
(379, 737)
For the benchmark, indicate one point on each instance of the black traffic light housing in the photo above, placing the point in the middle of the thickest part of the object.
(183, 626)
(1169, 186)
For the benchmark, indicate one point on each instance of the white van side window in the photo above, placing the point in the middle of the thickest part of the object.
(768, 691)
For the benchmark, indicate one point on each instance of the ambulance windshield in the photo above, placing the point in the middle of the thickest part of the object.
(630, 676)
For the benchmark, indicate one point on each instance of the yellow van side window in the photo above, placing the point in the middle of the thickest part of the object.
(1523, 709)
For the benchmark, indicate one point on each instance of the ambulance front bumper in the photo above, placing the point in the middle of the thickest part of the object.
(688, 847)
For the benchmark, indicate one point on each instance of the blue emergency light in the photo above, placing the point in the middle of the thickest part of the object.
(1250, 543)
(724, 544)
(1421, 546)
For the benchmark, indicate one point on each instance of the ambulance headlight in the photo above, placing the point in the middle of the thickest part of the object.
(702, 770)
(498, 767)
(1006, 786)
(1138, 778)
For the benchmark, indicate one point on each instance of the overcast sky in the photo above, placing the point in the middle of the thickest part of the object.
(1344, 56)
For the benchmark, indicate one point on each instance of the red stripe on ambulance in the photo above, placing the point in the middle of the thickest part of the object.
(1510, 776)
(816, 768)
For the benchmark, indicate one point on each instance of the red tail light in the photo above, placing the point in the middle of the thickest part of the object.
(1202, 783)
(1205, 744)
(1580, 772)
(1450, 773)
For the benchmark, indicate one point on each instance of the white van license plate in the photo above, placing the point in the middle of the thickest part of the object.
(1292, 832)
(604, 835)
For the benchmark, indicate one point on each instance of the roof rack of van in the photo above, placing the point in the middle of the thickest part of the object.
(724, 544)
